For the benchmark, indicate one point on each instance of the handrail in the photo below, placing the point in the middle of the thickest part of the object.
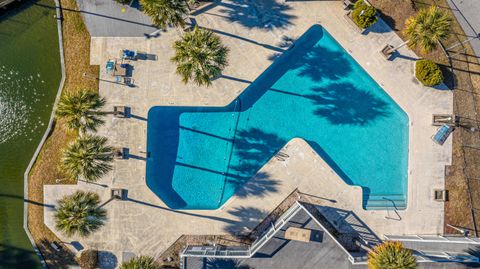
(434, 238)
(215, 251)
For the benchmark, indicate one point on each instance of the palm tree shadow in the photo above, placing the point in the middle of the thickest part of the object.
(344, 103)
(258, 13)
(14, 257)
(322, 63)
(247, 218)
(252, 148)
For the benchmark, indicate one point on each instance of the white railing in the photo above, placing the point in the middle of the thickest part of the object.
(434, 239)
(232, 252)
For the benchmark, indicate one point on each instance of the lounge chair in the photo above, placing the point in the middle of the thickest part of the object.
(442, 134)
(441, 119)
(129, 54)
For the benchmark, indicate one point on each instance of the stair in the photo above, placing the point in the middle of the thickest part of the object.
(385, 202)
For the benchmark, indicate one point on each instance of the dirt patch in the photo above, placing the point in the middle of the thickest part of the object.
(76, 41)
(462, 74)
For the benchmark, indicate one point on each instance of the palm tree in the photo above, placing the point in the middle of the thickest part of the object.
(391, 254)
(88, 157)
(427, 28)
(166, 12)
(81, 110)
(200, 56)
(140, 262)
(79, 213)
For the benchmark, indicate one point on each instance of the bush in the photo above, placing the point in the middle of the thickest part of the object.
(369, 16)
(428, 73)
(88, 259)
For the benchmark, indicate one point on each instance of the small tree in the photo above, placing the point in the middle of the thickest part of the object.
(426, 29)
(79, 213)
(166, 12)
(364, 15)
(200, 56)
(81, 110)
(140, 262)
(88, 157)
(391, 254)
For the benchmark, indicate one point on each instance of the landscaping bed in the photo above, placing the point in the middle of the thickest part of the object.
(76, 42)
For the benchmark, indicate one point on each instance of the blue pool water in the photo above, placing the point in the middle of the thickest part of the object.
(201, 156)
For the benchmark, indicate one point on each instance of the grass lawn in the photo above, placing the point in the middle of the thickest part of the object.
(76, 41)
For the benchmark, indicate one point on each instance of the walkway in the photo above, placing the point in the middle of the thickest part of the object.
(109, 18)
(255, 32)
(467, 13)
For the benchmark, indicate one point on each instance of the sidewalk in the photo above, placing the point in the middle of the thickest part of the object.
(467, 13)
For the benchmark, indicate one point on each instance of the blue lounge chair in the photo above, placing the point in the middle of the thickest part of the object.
(129, 54)
(442, 134)
(110, 66)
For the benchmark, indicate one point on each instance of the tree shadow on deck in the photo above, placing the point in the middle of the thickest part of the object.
(265, 14)
(247, 218)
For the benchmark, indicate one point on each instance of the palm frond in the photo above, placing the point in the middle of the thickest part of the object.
(427, 28)
(79, 213)
(200, 56)
(391, 254)
(81, 110)
(140, 262)
(166, 12)
(89, 157)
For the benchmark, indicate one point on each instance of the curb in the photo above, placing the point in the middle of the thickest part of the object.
(59, 18)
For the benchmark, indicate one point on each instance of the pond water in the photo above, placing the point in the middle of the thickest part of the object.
(29, 78)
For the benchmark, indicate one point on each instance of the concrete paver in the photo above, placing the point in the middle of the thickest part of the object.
(144, 224)
(467, 13)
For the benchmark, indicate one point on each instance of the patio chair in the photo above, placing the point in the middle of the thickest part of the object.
(442, 134)
(120, 111)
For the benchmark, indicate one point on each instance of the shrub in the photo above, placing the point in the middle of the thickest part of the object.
(391, 254)
(88, 259)
(428, 73)
(143, 262)
(365, 19)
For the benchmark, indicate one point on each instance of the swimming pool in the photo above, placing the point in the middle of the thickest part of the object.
(201, 156)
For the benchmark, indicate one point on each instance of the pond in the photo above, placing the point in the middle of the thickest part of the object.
(29, 78)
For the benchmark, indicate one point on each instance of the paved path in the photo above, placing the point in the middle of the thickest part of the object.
(254, 33)
(467, 13)
(108, 18)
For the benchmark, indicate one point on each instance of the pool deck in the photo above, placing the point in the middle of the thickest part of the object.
(145, 225)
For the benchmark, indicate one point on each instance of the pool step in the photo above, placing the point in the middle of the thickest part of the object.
(385, 202)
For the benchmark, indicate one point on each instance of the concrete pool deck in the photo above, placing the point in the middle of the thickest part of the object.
(145, 225)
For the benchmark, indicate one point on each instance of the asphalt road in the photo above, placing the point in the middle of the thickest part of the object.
(467, 13)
